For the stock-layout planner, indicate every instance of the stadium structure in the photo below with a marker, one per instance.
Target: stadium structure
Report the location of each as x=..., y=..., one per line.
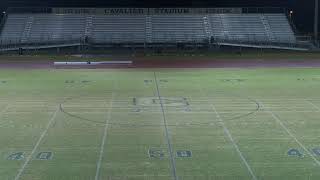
x=43, y=28
x=199, y=96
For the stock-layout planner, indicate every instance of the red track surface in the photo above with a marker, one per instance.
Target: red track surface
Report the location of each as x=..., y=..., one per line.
x=170, y=63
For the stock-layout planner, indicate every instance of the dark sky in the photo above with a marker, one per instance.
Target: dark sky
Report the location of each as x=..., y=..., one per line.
x=155, y=3
x=303, y=9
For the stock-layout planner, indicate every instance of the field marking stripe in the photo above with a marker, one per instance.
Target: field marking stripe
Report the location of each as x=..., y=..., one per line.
x=21, y=170
x=172, y=160
x=3, y=111
x=169, y=111
x=312, y=104
x=275, y=117
x=226, y=130
x=105, y=133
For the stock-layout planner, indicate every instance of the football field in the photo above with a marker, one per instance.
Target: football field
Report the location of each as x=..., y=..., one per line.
x=160, y=124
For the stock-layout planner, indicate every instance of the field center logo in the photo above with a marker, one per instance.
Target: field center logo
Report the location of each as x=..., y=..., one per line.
x=153, y=103
x=17, y=156
x=166, y=101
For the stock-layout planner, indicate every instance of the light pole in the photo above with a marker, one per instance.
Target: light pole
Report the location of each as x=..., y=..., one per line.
x=316, y=19
x=291, y=16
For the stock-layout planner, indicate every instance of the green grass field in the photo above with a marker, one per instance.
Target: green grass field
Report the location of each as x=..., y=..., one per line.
x=178, y=124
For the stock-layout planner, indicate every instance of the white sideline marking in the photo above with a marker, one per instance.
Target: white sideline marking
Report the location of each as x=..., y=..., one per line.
x=315, y=106
x=226, y=130
x=104, y=138
x=36, y=145
x=292, y=135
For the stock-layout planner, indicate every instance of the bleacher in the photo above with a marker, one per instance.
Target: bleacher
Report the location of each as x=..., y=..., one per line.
x=253, y=28
x=243, y=27
x=173, y=29
x=102, y=29
x=280, y=28
x=118, y=29
x=38, y=28
x=13, y=29
x=56, y=28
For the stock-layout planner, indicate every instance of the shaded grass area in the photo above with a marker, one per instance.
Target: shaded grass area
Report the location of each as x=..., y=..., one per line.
x=102, y=102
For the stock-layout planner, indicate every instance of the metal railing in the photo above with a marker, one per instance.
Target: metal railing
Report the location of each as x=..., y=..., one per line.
x=289, y=43
x=82, y=42
x=11, y=45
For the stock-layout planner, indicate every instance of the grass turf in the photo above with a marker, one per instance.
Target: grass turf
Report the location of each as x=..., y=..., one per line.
x=238, y=124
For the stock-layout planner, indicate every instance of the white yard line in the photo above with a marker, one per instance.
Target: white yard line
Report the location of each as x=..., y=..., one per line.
x=21, y=170
x=291, y=134
x=226, y=130
x=170, y=149
x=312, y=104
x=228, y=133
x=105, y=133
x=3, y=111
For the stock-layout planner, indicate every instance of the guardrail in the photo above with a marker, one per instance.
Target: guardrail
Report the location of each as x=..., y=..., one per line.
x=298, y=42
x=289, y=44
x=13, y=45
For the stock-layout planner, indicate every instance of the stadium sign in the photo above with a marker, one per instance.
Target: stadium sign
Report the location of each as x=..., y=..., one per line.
x=193, y=10
x=145, y=11
x=116, y=11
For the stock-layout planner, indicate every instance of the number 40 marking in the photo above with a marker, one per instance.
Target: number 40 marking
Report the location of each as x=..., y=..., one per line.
x=21, y=155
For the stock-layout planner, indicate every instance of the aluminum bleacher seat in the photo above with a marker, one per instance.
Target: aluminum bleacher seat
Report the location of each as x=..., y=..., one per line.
x=280, y=27
x=57, y=28
x=238, y=27
x=43, y=28
x=175, y=29
x=252, y=28
x=13, y=30
x=64, y=28
x=118, y=29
